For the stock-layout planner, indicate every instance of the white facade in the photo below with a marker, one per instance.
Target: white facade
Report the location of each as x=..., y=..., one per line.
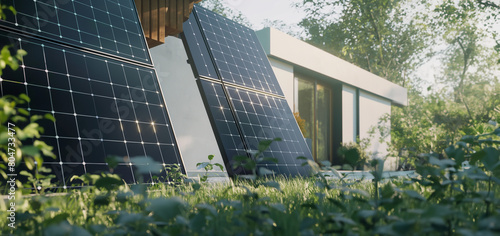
x=190, y=122
x=365, y=97
x=349, y=114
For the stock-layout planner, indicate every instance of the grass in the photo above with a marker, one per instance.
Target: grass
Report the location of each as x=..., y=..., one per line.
x=299, y=206
x=443, y=200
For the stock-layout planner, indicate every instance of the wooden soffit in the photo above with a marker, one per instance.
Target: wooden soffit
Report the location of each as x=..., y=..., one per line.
x=161, y=18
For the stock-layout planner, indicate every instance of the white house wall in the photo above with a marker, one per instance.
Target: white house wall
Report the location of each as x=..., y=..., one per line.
x=349, y=116
x=371, y=109
x=284, y=74
x=189, y=118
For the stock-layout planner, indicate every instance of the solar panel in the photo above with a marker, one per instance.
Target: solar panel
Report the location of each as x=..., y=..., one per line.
x=243, y=96
x=237, y=53
x=108, y=26
x=106, y=101
x=224, y=123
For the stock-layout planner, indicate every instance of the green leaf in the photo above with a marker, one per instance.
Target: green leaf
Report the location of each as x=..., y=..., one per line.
x=457, y=154
x=44, y=148
x=13, y=10
x=146, y=165
x=338, y=204
x=109, y=182
x=65, y=229
x=326, y=163
x=468, y=139
x=387, y=191
x=359, y=191
x=204, y=178
x=24, y=97
x=209, y=167
x=278, y=206
x=307, y=223
x=240, y=158
x=364, y=214
x=165, y=209
x=56, y=219
x=444, y=163
x=30, y=150
x=201, y=165
x=207, y=208
x=221, y=167
x=414, y=195
x=250, y=165
x=210, y=157
x=272, y=184
x=264, y=144
x=49, y=117
x=265, y=171
x=269, y=159
x=125, y=218
x=491, y=159
x=378, y=165
x=112, y=161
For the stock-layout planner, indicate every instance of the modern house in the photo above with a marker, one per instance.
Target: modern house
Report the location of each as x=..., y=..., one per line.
x=118, y=86
x=338, y=100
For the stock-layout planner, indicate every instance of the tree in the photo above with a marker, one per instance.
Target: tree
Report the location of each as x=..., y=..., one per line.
x=469, y=66
x=379, y=36
x=391, y=39
x=495, y=13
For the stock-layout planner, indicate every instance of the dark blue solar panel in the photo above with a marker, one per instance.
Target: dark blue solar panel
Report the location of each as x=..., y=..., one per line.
x=103, y=105
x=238, y=55
x=224, y=124
x=248, y=105
x=263, y=117
x=201, y=60
x=105, y=25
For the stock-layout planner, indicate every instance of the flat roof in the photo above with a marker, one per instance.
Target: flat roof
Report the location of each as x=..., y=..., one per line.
x=297, y=52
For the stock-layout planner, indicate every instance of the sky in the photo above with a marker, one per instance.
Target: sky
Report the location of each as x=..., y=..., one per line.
x=258, y=10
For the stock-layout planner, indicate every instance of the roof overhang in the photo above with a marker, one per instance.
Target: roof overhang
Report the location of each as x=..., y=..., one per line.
x=289, y=49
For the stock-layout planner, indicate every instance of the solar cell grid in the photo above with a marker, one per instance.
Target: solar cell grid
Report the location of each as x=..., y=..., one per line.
x=238, y=56
x=264, y=117
x=104, y=25
x=246, y=105
x=194, y=38
x=224, y=122
x=103, y=106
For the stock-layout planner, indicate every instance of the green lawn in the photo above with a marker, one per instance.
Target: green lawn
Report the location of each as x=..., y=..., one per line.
x=298, y=206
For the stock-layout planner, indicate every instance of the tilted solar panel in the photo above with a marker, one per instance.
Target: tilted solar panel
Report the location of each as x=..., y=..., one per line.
x=108, y=26
x=106, y=100
x=241, y=92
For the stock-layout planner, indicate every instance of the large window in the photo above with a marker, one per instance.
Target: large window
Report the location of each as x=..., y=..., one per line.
x=314, y=104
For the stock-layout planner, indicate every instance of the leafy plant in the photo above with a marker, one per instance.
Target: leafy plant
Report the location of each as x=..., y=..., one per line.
x=353, y=155
x=208, y=166
x=256, y=157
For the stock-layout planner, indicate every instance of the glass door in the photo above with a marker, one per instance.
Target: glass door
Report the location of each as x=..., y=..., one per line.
x=323, y=122
x=314, y=105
